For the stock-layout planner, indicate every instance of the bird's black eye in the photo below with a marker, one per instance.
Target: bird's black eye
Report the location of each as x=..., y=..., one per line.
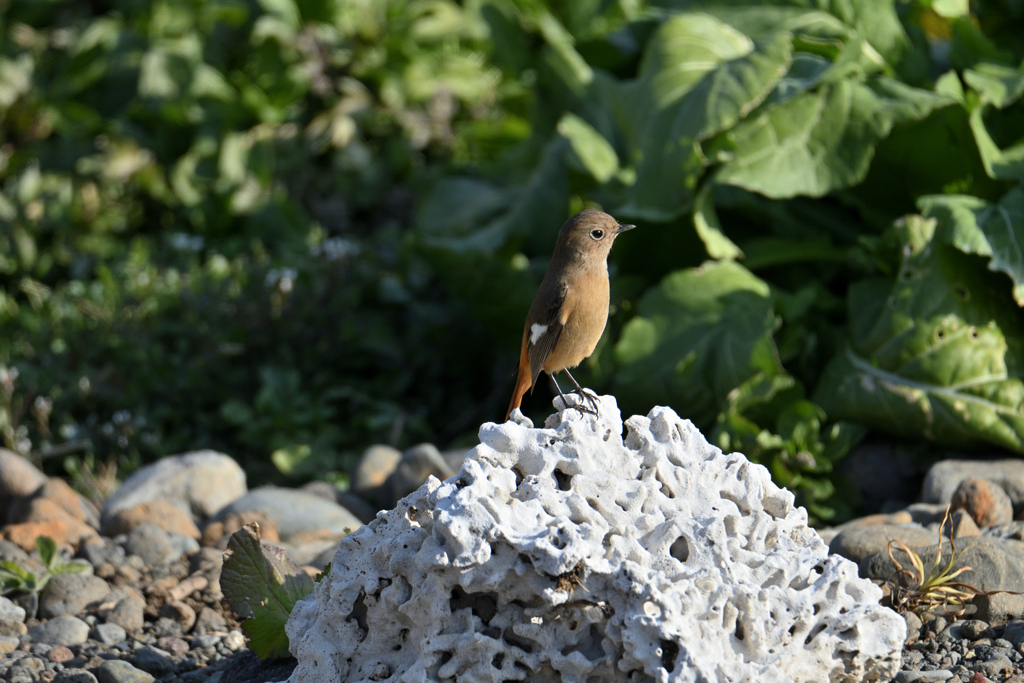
x=597, y=233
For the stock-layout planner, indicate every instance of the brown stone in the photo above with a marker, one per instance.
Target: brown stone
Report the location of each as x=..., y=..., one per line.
x=59, y=654
x=984, y=501
x=215, y=533
x=162, y=513
x=61, y=531
x=18, y=478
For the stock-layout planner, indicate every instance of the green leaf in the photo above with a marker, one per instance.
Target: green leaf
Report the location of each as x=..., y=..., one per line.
x=975, y=226
x=705, y=221
x=1001, y=164
x=997, y=85
x=938, y=354
x=47, y=551
x=262, y=586
x=699, y=77
x=820, y=141
x=596, y=154
x=698, y=335
x=472, y=215
x=951, y=8
x=290, y=459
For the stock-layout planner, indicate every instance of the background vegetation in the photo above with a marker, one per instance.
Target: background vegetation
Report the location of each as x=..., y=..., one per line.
x=288, y=229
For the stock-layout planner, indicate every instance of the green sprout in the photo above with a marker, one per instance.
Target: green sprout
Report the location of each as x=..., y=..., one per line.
x=17, y=579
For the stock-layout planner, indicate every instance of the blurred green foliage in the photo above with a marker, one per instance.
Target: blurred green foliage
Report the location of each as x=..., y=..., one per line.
x=299, y=228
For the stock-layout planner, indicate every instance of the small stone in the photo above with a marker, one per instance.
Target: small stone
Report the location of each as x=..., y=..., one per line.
x=1014, y=632
x=162, y=513
x=294, y=511
x=64, y=630
x=417, y=464
x=165, y=627
x=209, y=620
x=999, y=666
x=998, y=608
x=59, y=654
x=923, y=676
x=11, y=612
x=913, y=625
x=108, y=633
x=13, y=628
x=128, y=614
x=74, y=676
x=234, y=640
x=18, y=478
x=206, y=641
x=71, y=594
x=180, y=613
x=120, y=671
x=8, y=644
x=984, y=501
x=151, y=661
x=960, y=525
x=175, y=646
x=151, y=544
x=217, y=532
x=972, y=629
x=374, y=467
x=202, y=482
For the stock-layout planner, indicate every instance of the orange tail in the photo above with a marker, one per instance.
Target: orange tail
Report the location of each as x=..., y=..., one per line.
x=523, y=381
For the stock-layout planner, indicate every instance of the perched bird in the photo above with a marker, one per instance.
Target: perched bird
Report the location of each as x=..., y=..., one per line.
x=569, y=313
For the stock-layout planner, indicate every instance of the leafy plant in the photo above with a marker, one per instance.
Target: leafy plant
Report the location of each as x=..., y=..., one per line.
x=262, y=586
x=916, y=591
x=15, y=578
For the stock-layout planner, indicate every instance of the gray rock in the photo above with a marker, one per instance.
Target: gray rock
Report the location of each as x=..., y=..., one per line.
x=997, y=666
x=294, y=511
x=346, y=499
x=913, y=625
x=208, y=621
x=18, y=478
x=182, y=545
x=70, y=594
x=109, y=633
x=105, y=553
x=995, y=565
x=374, y=467
x=857, y=542
x=927, y=514
x=1011, y=530
x=12, y=553
x=999, y=608
x=972, y=629
x=983, y=500
x=10, y=612
x=1014, y=632
x=120, y=671
x=418, y=463
x=128, y=613
x=943, y=478
x=60, y=631
x=74, y=676
x=152, y=544
x=922, y=676
x=151, y=661
x=201, y=483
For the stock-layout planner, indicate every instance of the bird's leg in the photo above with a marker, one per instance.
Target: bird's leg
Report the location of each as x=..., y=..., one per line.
x=578, y=406
x=588, y=396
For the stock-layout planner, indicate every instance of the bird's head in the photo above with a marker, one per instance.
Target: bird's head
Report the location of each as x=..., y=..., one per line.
x=591, y=233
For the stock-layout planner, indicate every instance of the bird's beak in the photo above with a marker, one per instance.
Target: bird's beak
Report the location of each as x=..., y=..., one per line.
x=623, y=228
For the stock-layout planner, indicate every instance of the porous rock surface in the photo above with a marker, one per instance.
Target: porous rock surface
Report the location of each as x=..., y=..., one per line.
x=569, y=554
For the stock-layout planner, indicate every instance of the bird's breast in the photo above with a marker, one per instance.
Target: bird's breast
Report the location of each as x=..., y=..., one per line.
x=585, y=314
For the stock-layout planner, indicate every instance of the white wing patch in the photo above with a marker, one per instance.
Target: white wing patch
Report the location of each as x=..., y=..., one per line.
x=537, y=331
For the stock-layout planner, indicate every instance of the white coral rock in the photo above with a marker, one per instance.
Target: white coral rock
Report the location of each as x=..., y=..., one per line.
x=568, y=554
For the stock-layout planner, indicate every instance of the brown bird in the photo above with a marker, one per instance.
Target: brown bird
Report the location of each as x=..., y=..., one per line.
x=569, y=313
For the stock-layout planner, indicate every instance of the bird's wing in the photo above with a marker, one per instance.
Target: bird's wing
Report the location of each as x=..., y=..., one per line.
x=542, y=335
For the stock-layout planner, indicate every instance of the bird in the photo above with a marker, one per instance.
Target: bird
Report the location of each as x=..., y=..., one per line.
x=569, y=313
